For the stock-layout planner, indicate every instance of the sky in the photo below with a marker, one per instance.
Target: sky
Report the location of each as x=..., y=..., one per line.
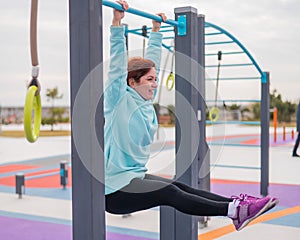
x=269, y=29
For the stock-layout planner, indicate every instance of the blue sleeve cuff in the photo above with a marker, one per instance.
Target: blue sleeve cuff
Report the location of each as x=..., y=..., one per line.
x=117, y=31
x=157, y=36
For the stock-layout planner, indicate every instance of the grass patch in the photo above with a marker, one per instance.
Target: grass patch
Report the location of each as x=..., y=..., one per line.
x=45, y=133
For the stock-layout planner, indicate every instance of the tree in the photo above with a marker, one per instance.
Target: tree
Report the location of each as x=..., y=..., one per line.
x=256, y=111
x=285, y=108
x=55, y=113
x=244, y=110
x=171, y=110
x=235, y=111
x=156, y=108
x=234, y=107
x=52, y=95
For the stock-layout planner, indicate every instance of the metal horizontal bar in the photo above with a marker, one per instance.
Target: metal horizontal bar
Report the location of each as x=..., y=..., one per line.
x=168, y=38
x=215, y=43
x=162, y=29
x=234, y=100
x=234, y=122
x=167, y=47
x=208, y=25
x=234, y=166
x=224, y=53
x=230, y=65
x=233, y=145
x=139, y=13
x=168, y=30
x=234, y=78
x=213, y=34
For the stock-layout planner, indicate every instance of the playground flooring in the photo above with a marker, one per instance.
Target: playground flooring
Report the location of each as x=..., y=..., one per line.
x=44, y=211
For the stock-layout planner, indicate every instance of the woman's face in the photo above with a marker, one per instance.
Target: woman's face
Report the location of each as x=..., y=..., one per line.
x=147, y=84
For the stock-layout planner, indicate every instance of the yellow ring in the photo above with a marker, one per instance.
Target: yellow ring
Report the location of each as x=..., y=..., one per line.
x=32, y=103
x=171, y=78
x=214, y=114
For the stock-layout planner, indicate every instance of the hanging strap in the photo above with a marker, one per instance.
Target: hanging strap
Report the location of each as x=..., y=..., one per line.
x=33, y=98
x=214, y=112
x=33, y=33
x=33, y=39
x=218, y=76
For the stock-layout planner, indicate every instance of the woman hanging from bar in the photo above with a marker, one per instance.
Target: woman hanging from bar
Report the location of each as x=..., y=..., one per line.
x=130, y=125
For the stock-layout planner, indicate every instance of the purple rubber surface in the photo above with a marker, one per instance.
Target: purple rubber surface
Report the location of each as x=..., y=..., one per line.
x=22, y=229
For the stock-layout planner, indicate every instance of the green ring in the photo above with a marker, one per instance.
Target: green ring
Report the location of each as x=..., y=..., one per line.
x=214, y=114
x=171, y=78
x=32, y=103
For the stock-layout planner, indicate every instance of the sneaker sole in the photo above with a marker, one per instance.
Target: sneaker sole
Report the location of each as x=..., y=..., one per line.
x=272, y=204
x=264, y=209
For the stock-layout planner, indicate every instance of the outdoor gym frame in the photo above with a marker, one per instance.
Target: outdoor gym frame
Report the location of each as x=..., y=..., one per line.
x=192, y=152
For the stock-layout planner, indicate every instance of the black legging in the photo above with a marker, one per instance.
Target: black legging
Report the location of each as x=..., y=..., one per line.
x=153, y=191
x=296, y=144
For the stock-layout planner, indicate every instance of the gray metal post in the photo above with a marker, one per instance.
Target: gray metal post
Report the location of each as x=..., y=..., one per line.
x=265, y=124
x=174, y=224
x=87, y=119
x=204, y=160
x=203, y=151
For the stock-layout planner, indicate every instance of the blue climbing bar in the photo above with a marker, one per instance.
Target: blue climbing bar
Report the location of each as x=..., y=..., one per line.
x=139, y=13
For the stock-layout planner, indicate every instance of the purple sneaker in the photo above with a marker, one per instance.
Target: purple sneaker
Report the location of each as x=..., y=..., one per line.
x=248, y=210
x=274, y=201
x=245, y=197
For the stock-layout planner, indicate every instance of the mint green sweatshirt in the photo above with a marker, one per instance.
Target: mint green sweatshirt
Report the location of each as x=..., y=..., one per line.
x=130, y=121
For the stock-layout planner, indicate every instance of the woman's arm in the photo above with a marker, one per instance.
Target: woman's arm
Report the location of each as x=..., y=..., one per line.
x=154, y=45
x=116, y=83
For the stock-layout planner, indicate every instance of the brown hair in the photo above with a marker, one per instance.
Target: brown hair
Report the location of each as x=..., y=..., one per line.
x=138, y=67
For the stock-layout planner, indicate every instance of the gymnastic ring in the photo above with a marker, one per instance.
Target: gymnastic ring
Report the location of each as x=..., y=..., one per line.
x=214, y=114
x=171, y=78
x=32, y=103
